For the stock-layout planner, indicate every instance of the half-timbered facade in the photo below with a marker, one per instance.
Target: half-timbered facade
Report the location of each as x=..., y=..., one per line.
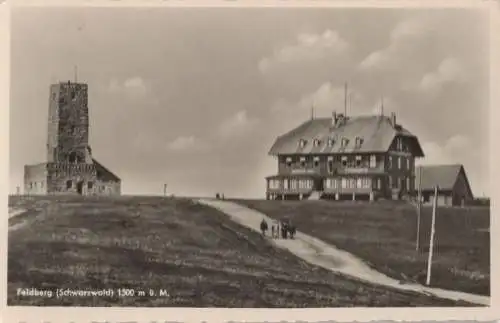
x=359, y=157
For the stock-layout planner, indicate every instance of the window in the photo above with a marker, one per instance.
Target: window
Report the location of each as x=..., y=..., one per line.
x=72, y=157
x=399, y=162
x=390, y=181
x=330, y=183
x=316, y=142
x=408, y=166
x=373, y=161
x=358, y=161
x=288, y=162
x=345, y=141
x=352, y=183
x=302, y=143
x=379, y=184
x=330, y=164
x=360, y=183
x=331, y=142
x=389, y=162
x=285, y=184
x=344, y=182
x=408, y=184
x=302, y=162
x=359, y=142
x=69, y=184
x=89, y=185
x=316, y=161
x=344, y=161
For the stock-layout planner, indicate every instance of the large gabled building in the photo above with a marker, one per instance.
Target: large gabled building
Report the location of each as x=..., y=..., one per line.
x=344, y=157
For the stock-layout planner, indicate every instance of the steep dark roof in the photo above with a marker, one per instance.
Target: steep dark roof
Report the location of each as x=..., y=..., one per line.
x=103, y=173
x=377, y=133
x=444, y=176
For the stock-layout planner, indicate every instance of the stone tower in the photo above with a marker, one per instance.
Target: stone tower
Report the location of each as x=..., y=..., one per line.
x=70, y=167
x=68, y=124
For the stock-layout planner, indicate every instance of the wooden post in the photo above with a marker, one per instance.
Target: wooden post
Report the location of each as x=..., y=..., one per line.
x=419, y=206
x=431, y=244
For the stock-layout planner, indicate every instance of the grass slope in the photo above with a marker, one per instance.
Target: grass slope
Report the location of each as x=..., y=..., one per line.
x=194, y=252
x=384, y=235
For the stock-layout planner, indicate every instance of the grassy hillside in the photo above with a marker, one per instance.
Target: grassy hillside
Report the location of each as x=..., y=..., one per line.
x=192, y=251
x=384, y=235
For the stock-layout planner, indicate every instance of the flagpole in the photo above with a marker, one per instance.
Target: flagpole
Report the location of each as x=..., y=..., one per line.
x=431, y=244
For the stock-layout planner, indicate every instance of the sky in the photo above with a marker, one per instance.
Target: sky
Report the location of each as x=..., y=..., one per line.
x=194, y=97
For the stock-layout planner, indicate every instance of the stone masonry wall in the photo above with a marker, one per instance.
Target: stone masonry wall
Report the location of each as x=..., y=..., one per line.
x=68, y=129
x=107, y=188
x=64, y=178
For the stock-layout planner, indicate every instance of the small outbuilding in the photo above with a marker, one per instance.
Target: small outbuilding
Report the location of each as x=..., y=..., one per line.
x=451, y=180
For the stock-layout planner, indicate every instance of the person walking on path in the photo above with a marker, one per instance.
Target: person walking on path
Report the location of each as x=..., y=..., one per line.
x=293, y=230
x=284, y=230
x=263, y=227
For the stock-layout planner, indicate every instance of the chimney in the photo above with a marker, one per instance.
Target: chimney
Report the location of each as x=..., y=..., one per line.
x=393, y=119
x=334, y=118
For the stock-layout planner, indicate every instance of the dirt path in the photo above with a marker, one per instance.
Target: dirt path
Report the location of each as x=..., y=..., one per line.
x=15, y=212
x=327, y=256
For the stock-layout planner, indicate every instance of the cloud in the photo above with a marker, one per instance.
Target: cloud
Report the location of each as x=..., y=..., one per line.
x=328, y=98
x=186, y=143
x=238, y=124
x=406, y=35
x=450, y=70
x=460, y=149
x=133, y=86
x=307, y=47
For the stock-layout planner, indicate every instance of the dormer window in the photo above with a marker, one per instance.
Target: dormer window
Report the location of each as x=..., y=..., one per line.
x=316, y=142
x=331, y=142
x=359, y=142
x=288, y=162
x=302, y=143
x=345, y=141
x=302, y=162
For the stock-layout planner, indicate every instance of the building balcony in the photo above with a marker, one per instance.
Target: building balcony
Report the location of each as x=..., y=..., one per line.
x=350, y=190
x=289, y=190
x=304, y=170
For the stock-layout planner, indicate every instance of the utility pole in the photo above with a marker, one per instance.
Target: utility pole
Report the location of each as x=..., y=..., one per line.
x=382, y=106
x=164, y=189
x=419, y=207
x=345, y=100
x=431, y=244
